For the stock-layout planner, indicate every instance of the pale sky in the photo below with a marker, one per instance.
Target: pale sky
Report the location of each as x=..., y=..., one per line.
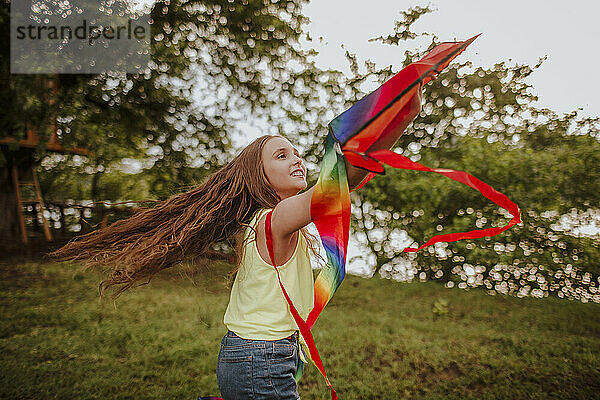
x=521, y=30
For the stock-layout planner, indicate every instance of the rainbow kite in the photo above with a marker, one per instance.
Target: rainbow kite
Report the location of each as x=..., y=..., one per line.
x=350, y=136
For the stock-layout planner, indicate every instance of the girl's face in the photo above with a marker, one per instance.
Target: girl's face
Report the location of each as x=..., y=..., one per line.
x=283, y=166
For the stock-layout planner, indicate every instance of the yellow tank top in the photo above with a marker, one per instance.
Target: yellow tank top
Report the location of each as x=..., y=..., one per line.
x=257, y=308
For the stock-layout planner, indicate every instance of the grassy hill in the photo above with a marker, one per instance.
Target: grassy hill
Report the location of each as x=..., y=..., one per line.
x=379, y=339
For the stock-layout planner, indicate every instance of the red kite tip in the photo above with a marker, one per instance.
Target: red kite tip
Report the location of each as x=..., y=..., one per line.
x=470, y=40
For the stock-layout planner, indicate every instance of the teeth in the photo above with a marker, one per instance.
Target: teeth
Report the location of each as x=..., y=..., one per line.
x=298, y=173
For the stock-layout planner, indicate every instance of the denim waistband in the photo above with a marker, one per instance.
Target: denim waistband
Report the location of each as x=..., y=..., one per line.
x=293, y=337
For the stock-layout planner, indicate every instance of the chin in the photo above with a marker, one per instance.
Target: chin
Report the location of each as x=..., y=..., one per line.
x=300, y=188
x=298, y=184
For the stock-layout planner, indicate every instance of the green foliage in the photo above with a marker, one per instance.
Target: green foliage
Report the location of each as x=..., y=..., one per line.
x=378, y=339
x=532, y=253
x=482, y=121
x=233, y=58
x=402, y=26
x=242, y=60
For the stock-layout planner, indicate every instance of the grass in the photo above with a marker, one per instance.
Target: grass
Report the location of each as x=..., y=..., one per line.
x=379, y=339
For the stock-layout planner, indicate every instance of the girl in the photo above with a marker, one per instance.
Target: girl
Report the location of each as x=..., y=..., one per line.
x=259, y=353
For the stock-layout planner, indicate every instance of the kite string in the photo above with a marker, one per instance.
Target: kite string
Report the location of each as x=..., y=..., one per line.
x=302, y=325
x=398, y=161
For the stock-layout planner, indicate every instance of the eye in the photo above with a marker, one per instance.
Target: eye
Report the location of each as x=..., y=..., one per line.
x=281, y=154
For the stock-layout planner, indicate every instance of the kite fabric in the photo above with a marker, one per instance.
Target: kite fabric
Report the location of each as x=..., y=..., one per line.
x=351, y=134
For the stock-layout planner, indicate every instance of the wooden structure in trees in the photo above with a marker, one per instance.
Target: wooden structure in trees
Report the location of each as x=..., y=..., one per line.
x=20, y=162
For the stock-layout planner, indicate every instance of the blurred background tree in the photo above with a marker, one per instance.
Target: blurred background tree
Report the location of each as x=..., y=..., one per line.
x=218, y=66
x=232, y=59
x=482, y=121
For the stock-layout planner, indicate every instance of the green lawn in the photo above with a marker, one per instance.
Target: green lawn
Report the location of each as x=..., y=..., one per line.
x=379, y=339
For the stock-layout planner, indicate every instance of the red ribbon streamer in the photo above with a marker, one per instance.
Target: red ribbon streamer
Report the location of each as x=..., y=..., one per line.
x=373, y=161
x=302, y=325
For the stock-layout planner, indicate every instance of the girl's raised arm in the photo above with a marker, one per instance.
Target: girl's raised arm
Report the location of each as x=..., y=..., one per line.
x=293, y=212
x=289, y=215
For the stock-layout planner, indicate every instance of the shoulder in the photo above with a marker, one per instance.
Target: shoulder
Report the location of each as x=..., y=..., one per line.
x=259, y=224
x=258, y=221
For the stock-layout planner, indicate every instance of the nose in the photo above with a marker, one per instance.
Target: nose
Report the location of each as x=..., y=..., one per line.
x=298, y=160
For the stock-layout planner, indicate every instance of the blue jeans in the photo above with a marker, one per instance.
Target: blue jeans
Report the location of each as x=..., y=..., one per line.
x=257, y=369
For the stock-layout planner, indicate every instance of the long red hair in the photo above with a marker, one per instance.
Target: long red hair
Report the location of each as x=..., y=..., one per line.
x=133, y=250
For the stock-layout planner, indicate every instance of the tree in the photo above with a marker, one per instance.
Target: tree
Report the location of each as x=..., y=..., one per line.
x=233, y=56
x=482, y=121
x=243, y=61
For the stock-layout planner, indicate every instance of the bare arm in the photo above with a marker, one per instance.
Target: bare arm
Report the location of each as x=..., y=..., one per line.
x=292, y=214
x=289, y=215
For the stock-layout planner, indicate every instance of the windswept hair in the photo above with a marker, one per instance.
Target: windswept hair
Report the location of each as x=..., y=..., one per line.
x=133, y=250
